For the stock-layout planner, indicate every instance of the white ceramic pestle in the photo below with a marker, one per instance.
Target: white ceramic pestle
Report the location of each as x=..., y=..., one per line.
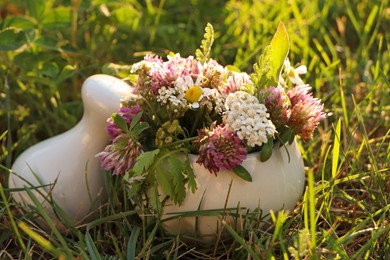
x=69, y=158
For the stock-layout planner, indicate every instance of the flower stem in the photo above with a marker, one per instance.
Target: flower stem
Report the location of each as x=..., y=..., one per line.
x=196, y=122
x=154, y=112
x=182, y=141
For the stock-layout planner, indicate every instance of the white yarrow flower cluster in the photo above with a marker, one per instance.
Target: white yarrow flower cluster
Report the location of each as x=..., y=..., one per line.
x=169, y=95
x=248, y=118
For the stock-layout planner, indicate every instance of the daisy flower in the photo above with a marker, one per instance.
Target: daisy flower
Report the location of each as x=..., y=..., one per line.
x=293, y=73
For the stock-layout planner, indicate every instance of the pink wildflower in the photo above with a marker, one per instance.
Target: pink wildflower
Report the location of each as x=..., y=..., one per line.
x=158, y=78
x=213, y=74
x=178, y=67
x=128, y=113
x=153, y=58
x=146, y=71
x=277, y=105
x=306, y=111
x=236, y=82
x=220, y=149
x=154, y=74
x=120, y=155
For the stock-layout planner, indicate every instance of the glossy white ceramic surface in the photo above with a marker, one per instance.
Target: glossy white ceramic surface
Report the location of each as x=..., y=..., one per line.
x=277, y=184
x=67, y=163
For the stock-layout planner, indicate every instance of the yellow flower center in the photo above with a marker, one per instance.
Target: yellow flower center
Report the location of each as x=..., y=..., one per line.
x=291, y=72
x=193, y=94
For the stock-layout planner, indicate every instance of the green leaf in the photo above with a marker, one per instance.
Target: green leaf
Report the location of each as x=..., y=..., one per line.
x=49, y=69
x=262, y=70
x=191, y=182
x=67, y=72
x=127, y=16
x=266, y=150
x=26, y=60
x=175, y=169
x=165, y=180
x=241, y=172
x=12, y=39
x=280, y=47
x=36, y=8
x=135, y=120
x=120, y=122
x=144, y=161
x=139, y=128
x=233, y=68
x=286, y=136
x=58, y=18
x=49, y=43
x=203, y=54
x=21, y=22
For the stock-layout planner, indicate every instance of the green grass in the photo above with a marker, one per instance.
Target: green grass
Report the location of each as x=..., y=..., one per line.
x=345, y=210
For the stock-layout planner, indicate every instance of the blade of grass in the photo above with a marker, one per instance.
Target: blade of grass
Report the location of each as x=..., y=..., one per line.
x=8, y=160
x=3, y=134
x=42, y=212
x=312, y=208
x=11, y=218
x=336, y=149
x=366, y=142
x=343, y=103
x=109, y=218
x=241, y=241
x=377, y=233
x=43, y=242
x=146, y=248
x=92, y=250
x=279, y=221
x=351, y=234
x=132, y=243
x=115, y=243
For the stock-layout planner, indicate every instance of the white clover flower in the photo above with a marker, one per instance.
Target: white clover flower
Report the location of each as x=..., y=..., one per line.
x=141, y=65
x=237, y=81
x=137, y=66
x=248, y=118
x=212, y=68
x=293, y=73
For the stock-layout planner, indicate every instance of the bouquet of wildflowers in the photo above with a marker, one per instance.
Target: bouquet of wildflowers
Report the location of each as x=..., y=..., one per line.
x=195, y=105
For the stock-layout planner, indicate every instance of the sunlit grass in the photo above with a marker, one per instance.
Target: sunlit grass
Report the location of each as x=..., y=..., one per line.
x=344, y=211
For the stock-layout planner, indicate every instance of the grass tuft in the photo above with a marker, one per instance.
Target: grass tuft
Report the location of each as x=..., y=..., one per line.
x=344, y=212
